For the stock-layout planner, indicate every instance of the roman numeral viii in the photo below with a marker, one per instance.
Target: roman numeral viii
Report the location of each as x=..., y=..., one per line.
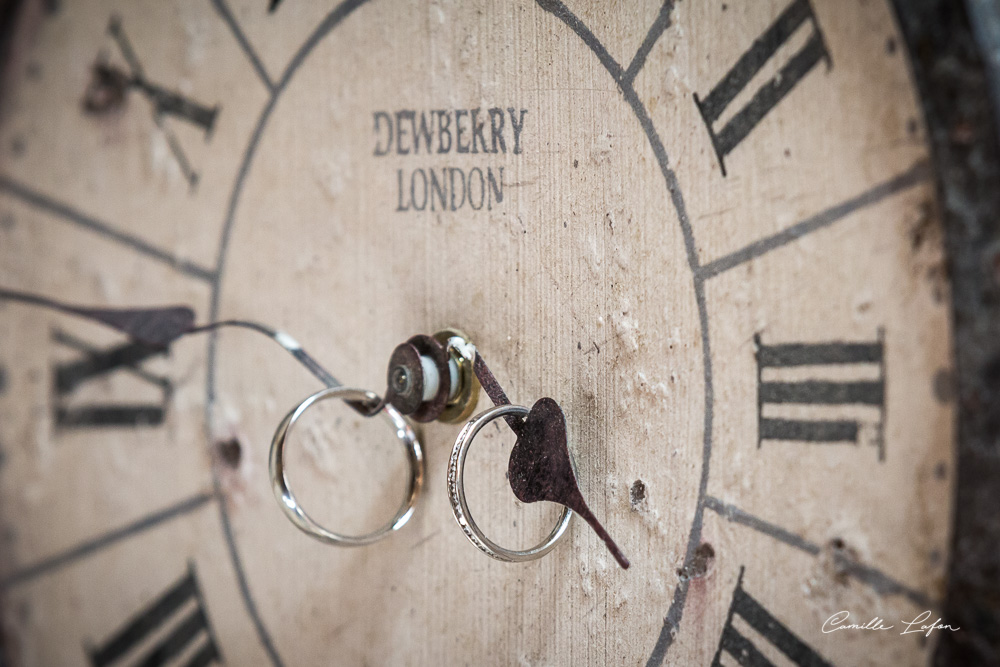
x=764, y=48
x=179, y=624
x=96, y=363
x=746, y=651
x=854, y=389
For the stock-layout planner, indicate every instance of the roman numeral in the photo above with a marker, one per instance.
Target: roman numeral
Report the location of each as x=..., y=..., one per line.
x=180, y=614
x=96, y=363
x=165, y=102
x=746, y=652
x=743, y=121
x=825, y=357
x=110, y=84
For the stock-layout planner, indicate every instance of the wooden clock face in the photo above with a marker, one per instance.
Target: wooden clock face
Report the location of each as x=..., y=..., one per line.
x=707, y=229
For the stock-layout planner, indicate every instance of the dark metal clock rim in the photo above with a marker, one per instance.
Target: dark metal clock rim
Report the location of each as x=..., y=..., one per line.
x=955, y=84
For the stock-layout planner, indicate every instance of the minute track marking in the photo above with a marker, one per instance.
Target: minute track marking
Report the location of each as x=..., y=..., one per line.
x=101, y=542
x=332, y=20
x=880, y=582
x=580, y=55
x=912, y=177
x=66, y=213
x=234, y=27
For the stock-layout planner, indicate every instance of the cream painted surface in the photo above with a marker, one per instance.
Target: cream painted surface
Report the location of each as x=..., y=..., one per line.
x=577, y=285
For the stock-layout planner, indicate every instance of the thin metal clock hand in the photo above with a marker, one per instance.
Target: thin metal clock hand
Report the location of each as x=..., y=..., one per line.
x=430, y=378
x=160, y=327
x=540, y=467
x=152, y=326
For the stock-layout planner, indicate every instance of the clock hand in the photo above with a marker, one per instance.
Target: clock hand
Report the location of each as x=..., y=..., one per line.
x=159, y=327
x=367, y=409
x=540, y=468
x=496, y=393
x=152, y=326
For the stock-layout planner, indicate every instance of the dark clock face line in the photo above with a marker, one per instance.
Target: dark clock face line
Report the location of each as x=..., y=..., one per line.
x=71, y=215
x=189, y=632
x=164, y=101
x=659, y=26
x=72, y=374
x=234, y=27
x=881, y=583
x=333, y=19
x=108, y=539
x=67, y=213
x=94, y=363
x=763, y=49
x=769, y=629
x=758, y=107
x=671, y=623
x=915, y=175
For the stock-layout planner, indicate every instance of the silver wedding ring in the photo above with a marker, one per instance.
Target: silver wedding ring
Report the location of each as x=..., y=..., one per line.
x=456, y=493
x=294, y=511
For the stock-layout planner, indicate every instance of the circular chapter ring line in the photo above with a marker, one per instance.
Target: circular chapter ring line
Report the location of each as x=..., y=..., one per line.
x=560, y=11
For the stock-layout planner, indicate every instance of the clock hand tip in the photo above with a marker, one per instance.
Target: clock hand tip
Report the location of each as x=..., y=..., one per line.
x=622, y=560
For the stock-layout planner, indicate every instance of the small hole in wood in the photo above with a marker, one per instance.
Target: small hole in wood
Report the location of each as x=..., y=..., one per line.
x=230, y=452
x=637, y=493
x=700, y=565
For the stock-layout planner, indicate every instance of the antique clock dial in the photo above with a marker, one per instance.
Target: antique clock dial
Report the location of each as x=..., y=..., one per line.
x=707, y=229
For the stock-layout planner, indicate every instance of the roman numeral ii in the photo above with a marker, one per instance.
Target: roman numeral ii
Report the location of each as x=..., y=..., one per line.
x=746, y=652
x=179, y=623
x=764, y=48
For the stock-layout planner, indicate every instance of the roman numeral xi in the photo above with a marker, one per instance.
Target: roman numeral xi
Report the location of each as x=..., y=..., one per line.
x=745, y=650
x=742, y=121
x=851, y=396
x=110, y=84
x=176, y=623
x=94, y=363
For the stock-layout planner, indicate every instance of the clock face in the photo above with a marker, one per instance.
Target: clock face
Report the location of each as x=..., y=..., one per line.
x=708, y=230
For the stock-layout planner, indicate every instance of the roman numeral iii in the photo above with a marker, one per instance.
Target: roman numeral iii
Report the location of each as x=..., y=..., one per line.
x=789, y=377
x=178, y=621
x=763, y=50
x=95, y=363
x=745, y=651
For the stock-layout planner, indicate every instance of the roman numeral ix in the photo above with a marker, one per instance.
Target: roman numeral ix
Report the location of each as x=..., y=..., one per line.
x=755, y=615
x=180, y=612
x=95, y=363
x=865, y=359
x=764, y=48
